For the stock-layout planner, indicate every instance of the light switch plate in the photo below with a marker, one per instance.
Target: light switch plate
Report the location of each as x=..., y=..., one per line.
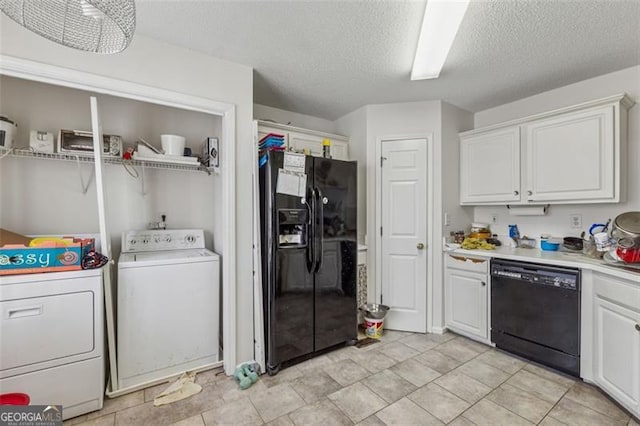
x=575, y=220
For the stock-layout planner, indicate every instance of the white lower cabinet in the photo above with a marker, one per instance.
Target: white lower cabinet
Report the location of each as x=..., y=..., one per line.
x=467, y=296
x=616, y=339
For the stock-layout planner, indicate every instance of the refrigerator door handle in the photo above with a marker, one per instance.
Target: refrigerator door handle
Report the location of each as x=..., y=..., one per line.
x=319, y=232
x=311, y=252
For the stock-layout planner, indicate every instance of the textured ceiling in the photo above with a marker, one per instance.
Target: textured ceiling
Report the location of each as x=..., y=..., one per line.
x=327, y=58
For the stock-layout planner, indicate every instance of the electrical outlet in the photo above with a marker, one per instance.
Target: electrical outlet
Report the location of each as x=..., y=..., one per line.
x=575, y=220
x=494, y=217
x=447, y=219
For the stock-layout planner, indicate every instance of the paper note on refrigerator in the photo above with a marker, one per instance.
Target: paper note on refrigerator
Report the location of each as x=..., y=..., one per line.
x=294, y=162
x=291, y=183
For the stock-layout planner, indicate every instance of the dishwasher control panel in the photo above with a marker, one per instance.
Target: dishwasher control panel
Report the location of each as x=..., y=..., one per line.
x=537, y=274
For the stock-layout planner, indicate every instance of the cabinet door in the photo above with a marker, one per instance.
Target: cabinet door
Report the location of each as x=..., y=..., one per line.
x=299, y=142
x=571, y=157
x=616, y=343
x=466, y=298
x=339, y=150
x=490, y=167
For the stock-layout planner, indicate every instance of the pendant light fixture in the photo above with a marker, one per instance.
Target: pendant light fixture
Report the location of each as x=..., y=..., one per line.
x=99, y=26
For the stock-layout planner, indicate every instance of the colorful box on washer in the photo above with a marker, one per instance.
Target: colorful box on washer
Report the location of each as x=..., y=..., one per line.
x=47, y=257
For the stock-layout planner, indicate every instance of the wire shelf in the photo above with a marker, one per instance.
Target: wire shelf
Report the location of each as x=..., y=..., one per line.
x=27, y=153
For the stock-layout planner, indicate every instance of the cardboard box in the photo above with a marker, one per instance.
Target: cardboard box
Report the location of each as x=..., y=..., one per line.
x=8, y=237
x=47, y=257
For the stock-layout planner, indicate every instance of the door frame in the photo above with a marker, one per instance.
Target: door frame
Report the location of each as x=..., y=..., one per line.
x=428, y=138
x=66, y=77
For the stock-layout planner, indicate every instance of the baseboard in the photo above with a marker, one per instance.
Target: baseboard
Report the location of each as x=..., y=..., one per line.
x=439, y=330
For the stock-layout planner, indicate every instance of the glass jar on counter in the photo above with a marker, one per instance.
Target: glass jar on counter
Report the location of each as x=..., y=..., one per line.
x=458, y=237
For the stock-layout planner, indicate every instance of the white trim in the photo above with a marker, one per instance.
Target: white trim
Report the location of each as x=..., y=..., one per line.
x=301, y=130
x=439, y=330
x=624, y=100
x=31, y=70
x=377, y=219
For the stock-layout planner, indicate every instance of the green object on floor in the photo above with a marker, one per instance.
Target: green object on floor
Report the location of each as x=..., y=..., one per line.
x=252, y=375
x=243, y=381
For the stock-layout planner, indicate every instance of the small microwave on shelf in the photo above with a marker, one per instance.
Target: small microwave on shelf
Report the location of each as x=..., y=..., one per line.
x=81, y=143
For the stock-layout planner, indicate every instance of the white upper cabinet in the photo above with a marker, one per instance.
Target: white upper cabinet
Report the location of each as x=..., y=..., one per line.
x=490, y=166
x=571, y=157
x=303, y=140
x=568, y=156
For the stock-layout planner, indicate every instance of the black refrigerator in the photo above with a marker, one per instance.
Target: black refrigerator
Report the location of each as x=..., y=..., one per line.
x=309, y=257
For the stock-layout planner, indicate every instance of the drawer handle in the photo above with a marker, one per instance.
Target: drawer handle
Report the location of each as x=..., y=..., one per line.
x=31, y=311
x=483, y=283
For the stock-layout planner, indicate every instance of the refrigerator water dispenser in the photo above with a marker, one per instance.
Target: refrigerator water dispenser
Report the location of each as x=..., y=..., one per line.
x=292, y=228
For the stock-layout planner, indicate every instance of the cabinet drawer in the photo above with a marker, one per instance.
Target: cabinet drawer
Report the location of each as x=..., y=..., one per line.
x=39, y=329
x=466, y=263
x=78, y=386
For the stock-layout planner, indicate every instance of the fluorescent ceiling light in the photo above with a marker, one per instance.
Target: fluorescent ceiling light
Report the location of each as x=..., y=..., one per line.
x=440, y=25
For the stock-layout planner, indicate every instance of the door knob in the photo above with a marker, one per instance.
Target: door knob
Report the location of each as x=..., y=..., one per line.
x=420, y=246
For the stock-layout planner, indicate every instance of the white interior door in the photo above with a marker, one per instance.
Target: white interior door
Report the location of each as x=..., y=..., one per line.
x=404, y=234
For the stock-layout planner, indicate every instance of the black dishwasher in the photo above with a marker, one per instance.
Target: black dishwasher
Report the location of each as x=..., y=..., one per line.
x=535, y=312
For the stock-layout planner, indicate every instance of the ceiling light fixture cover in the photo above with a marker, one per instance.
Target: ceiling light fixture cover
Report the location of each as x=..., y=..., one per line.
x=440, y=25
x=99, y=26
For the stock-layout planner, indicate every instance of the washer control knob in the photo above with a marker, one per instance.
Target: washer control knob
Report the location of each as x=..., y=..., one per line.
x=190, y=239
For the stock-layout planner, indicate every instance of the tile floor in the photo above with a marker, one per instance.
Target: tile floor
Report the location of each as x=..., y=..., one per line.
x=405, y=379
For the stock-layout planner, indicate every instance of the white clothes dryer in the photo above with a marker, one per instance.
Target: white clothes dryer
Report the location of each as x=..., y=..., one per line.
x=168, y=317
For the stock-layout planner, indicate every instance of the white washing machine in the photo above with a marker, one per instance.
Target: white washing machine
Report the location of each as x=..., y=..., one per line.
x=168, y=317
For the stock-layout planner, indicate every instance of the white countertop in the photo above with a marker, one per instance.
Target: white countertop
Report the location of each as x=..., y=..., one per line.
x=559, y=258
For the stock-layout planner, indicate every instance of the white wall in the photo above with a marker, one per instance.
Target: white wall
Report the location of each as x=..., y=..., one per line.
x=158, y=64
x=281, y=116
x=556, y=222
x=354, y=125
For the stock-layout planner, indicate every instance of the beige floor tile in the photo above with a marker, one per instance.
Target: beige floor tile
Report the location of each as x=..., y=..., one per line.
x=593, y=398
x=461, y=421
x=373, y=361
x=505, y=362
x=634, y=422
x=473, y=345
x=314, y=386
x=415, y=372
x=572, y=413
x=281, y=421
x=371, y=421
x=357, y=401
x=486, y=413
x=75, y=420
x=483, y=372
x=437, y=361
x=238, y=412
x=389, y=385
x=108, y=420
x=441, y=338
x=318, y=362
x=392, y=335
x=540, y=387
x=346, y=372
x=397, y=351
x=463, y=386
x=550, y=421
x=561, y=379
x=277, y=401
x=208, y=398
x=288, y=374
x=196, y=420
x=458, y=350
x=520, y=402
x=439, y=402
x=406, y=412
x=343, y=353
x=419, y=342
x=230, y=391
x=111, y=405
x=210, y=376
x=322, y=412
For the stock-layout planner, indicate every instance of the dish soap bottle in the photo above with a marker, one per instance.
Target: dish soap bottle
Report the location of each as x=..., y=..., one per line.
x=326, y=148
x=514, y=234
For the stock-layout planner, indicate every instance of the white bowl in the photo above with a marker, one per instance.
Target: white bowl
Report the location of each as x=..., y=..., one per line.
x=172, y=144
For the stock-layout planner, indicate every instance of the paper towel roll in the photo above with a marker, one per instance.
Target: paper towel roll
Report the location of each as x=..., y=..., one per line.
x=527, y=210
